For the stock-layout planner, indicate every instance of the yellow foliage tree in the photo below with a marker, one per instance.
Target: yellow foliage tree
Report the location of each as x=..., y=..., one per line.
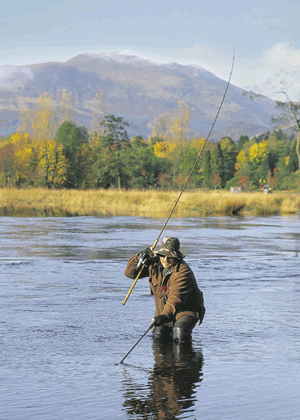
x=178, y=130
x=41, y=123
x=47, y=114
x=241, y=160
x=198, y=143
x=173, y=130
x=52, y=164
x=6, y=163
x=173, y=127
x=43, y=120
x=25, y=157
x=258, y=151
x=163, y=149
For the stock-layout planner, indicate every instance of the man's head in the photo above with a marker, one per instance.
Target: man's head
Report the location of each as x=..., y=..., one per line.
x=169, y=252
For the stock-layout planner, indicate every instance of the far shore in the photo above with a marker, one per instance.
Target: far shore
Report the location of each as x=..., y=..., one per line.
x=39, y=202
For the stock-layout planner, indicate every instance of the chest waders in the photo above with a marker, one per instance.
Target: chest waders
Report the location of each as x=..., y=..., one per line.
x=180, y=331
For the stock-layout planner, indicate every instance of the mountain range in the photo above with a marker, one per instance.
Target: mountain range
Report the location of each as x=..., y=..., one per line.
x=138, y=90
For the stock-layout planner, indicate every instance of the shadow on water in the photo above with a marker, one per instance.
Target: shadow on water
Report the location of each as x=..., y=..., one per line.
x=172, y=384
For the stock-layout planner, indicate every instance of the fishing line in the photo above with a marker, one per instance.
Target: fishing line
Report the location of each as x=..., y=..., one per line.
x=187, y=180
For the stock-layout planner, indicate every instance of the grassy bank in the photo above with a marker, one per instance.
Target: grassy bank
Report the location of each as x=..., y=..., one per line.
x=43, y=202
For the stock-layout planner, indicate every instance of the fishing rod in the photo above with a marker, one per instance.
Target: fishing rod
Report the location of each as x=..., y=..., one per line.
x=187, y=180
x=152, y=325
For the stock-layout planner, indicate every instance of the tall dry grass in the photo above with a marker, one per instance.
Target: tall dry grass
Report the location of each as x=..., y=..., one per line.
x=43, y=202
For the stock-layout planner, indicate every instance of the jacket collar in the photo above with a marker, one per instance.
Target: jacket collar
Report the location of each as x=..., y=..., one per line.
x=175, y=267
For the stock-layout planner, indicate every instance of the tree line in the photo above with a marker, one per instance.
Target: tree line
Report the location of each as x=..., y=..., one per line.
x=50, y=150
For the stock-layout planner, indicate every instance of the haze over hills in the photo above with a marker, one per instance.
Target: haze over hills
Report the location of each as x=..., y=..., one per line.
x=137, y=90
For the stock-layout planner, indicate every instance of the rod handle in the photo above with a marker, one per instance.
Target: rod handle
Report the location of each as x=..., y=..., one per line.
x=132, y=286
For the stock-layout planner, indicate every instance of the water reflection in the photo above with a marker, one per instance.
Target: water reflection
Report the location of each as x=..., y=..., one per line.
x=171, y=387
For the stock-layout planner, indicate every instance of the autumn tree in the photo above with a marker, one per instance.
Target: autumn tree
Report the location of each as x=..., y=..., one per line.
x=258, y=154
x=173, y=131
x=244, y=182
x=25, y=158
x=42, y=118
x=52, y=165
x=22, y=162
x=243, y=168
x=6, y=164
x=41, y=122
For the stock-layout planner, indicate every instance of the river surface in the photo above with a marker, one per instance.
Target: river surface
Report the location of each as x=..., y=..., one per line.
x=64, y=330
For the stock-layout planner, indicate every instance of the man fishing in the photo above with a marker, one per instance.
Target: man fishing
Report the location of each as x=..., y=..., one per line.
x=178, y=300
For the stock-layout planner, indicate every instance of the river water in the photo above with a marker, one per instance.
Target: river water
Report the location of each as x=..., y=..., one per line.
x=64, y=330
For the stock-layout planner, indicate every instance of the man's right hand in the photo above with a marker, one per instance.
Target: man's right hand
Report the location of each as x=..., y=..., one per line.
x=145, y=258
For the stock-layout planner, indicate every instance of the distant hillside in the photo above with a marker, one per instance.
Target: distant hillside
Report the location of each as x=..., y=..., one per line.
x=136, y=89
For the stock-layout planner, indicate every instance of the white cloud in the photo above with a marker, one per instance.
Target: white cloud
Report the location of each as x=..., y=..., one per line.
x=282, y=55
x=278, y=69
x=14, y=76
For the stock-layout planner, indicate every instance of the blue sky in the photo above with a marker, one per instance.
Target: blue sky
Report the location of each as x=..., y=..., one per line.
x=265, y=35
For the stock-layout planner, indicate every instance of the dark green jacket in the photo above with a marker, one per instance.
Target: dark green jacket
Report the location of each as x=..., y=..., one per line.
x=176, y=294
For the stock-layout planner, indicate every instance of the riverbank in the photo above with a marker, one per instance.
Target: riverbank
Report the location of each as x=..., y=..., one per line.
x=42, y=202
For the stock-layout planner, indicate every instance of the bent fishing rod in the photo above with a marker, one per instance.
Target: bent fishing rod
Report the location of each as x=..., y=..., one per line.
x=187, y=180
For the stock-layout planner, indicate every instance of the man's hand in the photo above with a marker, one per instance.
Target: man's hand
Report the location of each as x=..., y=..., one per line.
x=160, y=320
x=145, y=258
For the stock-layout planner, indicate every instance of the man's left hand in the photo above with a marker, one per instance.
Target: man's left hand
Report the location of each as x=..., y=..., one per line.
x=160, y=320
